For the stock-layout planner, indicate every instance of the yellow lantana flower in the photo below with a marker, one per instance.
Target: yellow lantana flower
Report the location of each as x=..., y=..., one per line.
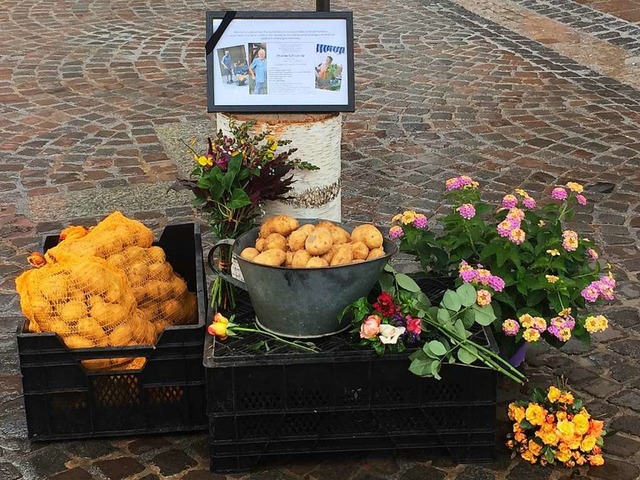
x=531, y=335
x=565, y=312
x=553, y=252
x=408, y=217
x=575, y=187
x=552, y=278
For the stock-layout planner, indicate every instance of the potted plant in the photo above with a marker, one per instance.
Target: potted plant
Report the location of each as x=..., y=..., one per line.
x=231, y=181
x=551, y=276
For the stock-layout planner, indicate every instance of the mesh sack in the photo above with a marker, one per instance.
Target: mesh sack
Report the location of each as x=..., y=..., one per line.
x=113, y=234
x=84, y=300
x=161, y=294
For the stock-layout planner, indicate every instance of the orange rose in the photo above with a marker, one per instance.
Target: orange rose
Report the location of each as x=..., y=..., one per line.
x=596, y=460
x=595, y=428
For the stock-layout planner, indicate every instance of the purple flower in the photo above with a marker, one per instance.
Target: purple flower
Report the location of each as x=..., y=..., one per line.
x=591, y=293
x=395, y=232
x=496, y=283
x=555, y=331
x=582, y=200
x=569, y=322
x=509, y=201
x=420, y=221
x=508, y=224
x=467, y=211
x=529, y=202
x=559, y=194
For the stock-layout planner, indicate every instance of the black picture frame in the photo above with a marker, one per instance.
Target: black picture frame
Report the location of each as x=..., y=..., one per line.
x=280, y=107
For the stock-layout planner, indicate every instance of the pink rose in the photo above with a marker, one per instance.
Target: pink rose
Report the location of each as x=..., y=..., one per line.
x=370, y=327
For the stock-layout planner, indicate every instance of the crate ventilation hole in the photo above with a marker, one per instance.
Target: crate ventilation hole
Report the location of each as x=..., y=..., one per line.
x=117, y=390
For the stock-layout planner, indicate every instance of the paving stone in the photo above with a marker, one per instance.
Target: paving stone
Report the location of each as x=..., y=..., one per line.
x=627, y=398
x=48, y=461
x=526, y=471
x=92, y=449
x=615, y=469
x=147, y=444
x=625, y=317
x=173, y=461
x=475, y=473
x=76, y=473
x=151, y=476
x=627, y=423
x=120, y=468
x=334, y=468
x=202, y=475
x=9, y=472
x=599, y=387
x=630, y=348
x=420, y=472
x=621, y=446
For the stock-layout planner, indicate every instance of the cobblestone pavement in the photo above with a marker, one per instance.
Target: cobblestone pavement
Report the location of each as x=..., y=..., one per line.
x=94, y=95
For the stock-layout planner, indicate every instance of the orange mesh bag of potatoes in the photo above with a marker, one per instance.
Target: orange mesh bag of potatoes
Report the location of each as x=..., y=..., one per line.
x=161, y=294
x=86, y=301
x=112, y=235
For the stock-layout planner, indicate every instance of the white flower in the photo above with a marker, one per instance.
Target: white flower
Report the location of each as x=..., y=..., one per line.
x=389, y=334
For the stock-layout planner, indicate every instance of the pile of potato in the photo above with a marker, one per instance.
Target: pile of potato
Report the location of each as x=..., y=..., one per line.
x=283, y=242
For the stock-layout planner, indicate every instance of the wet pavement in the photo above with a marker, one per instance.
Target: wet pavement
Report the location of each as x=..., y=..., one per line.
x=96, y=95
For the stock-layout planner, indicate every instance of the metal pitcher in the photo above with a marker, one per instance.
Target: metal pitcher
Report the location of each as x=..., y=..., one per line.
x=302, y=302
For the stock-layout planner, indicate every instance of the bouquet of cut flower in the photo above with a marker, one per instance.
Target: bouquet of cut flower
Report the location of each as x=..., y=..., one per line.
x=402, y=317
x=550, y=274
x=554, y=427
x=232, y=180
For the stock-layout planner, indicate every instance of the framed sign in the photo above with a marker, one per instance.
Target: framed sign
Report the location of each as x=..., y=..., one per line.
x=261, y=62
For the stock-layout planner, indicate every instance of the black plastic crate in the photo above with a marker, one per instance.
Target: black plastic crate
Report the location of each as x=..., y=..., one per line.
x=345, y=398
x=167, y=394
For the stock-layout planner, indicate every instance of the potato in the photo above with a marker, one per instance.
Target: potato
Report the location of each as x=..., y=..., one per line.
x=315, y=262
x=329, y=255
x=157, y=254
x=281, y=224
x=343, y=255
x=296, y=239
x=368, y=234
x=307, y=228
x=288, y=261
x=260, y=244
x=360, y=250
x=325, y=224
x=319, y=241
x=275, y=240
x=300, y=259
x=76, y=341
x=249, y=253
x=273, y=257
x=375, y=253
x=339, y=235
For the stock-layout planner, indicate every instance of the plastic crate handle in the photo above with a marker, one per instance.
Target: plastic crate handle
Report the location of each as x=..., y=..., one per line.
x=212, y=264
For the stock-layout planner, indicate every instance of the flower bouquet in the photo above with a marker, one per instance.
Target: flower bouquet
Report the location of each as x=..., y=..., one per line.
x=232, y=180
x=401, y=317
x=551, y=276
x=553, y=428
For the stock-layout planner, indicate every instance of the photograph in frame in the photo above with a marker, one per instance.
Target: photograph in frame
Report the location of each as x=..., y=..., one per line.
x=280, y=62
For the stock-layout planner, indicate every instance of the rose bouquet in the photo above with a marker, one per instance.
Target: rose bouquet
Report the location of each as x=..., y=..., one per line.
x=554, y=427
x=232, y=180
x=551, y=274
x=401, y=317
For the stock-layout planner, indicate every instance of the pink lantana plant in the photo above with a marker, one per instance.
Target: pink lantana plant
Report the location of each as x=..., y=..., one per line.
x=550, y=276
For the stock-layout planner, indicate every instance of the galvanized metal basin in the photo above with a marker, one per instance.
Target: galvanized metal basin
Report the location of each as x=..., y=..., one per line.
x=304, y=302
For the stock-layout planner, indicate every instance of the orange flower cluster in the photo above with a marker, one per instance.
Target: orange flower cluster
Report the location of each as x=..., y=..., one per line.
x=554, y=427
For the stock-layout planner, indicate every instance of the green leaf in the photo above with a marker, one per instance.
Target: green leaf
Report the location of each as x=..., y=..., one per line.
x=435, y=370
x=468, y=355
x=437, y=347
x=406, y=282
x=524, y=424
x=451, y=300
x=460, y=329
x=421, y=367
x=386, y=282
x=467, y=294
x=239, y=199
x=549, y=454
x=483, y=315
x=538, y=395
x=444, y=315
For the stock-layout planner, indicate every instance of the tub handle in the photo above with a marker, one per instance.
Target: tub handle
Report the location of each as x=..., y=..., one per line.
x=212, y=264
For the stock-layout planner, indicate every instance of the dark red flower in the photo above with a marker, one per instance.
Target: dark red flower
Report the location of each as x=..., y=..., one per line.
x=385, y=305
x=413, y=325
